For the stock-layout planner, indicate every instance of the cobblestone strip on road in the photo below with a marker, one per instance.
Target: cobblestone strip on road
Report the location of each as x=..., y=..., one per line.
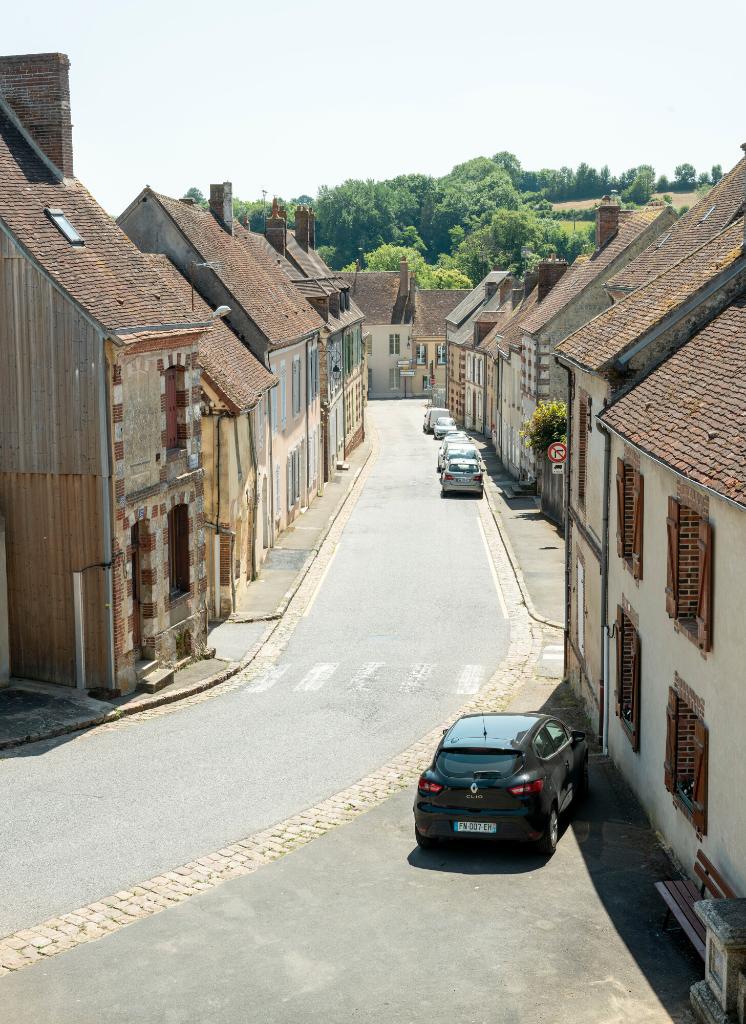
x=111, y=913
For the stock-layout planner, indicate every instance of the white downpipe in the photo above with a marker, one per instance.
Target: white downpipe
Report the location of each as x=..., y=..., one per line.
x=605, y=730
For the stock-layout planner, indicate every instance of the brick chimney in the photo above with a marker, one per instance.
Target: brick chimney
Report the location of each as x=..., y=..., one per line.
x=276, y=228
x=305, y=227
x=550, y=271
x=36, y=86
x=607, y=221
x=221, y=204
x=403, y=278
x=516, y=294
x=481, y=329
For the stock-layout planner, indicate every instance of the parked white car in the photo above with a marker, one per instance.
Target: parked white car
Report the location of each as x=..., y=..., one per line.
x=444, y=425
x=431, y=417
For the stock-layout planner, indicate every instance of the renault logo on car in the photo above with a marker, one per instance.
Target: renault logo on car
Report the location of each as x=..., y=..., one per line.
x=474, y=787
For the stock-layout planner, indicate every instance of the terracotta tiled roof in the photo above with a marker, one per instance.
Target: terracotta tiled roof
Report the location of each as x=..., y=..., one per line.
x=690, y=412
x=248, y=272
x=376, y=292
x=584, y=271
x=432, y=305
x=107, y=276
x=475, y=298
x=609, y=334
x=234, y=371
x=511, y=333
x=711, y=214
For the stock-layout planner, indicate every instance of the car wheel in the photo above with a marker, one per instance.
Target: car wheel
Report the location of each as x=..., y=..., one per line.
x=424, y=842
x=442, y=493
x=548, y=842
x=481, y=493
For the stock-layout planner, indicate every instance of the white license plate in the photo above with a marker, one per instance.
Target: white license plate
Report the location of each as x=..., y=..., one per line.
x=475, y=826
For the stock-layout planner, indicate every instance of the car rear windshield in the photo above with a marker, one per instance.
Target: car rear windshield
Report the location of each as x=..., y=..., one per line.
x=464, y=764
x=463, y=465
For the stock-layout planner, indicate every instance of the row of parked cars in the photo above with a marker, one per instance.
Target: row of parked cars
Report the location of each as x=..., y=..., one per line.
x=460, y=466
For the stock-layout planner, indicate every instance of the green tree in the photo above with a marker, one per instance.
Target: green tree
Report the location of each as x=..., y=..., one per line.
x=716, y=173
x=641, y=189
x=388, y=257
x=547, y=425
x=195, y=194
x=685, y=177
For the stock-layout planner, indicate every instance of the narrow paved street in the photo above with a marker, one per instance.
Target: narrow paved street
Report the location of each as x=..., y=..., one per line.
x=422, y=628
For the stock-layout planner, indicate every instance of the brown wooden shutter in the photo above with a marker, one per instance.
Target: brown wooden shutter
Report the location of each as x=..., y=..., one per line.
x=182, y=549
x=669, y=765
x=172, y=425
x=672, y=583
x=699, y=795
x=639, y=509
x=636, y=691
x=619, y=659
x=704, y=597
x=620, y=507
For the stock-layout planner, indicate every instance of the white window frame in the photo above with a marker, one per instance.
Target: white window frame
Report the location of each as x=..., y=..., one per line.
x=421, y=350
x=581, y=607
x=394, y=376
x=394, y=344
x=273, y=408
x=283, y=395
x=441, y=354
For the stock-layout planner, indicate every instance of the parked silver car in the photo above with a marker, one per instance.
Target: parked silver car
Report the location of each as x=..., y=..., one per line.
x=462, y=473
x=457, y=445
x=444, y=425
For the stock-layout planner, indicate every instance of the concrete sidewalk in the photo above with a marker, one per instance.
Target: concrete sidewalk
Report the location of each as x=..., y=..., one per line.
x=31, y=711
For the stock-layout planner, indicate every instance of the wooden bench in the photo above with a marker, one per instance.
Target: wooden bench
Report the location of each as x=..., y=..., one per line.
x=680, y=897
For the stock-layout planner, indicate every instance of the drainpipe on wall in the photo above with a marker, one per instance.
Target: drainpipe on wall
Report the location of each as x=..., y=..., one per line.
x=271, y=488
x=308, y=436
x=255, y=498
x=605, y=586
x=568, y=478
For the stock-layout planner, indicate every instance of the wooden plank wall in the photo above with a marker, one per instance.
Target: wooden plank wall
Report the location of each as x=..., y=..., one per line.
x=49, y=385
x=53, y=528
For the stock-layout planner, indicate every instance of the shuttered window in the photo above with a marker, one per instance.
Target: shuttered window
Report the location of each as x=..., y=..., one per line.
x=630, y=515
x=178, y=550
x=685, y=765
x=628, y=677
x=689, y=577
x=582, y=447
x=172, y=410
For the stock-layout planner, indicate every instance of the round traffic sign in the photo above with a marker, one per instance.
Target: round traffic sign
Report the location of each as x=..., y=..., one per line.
x=557, y=451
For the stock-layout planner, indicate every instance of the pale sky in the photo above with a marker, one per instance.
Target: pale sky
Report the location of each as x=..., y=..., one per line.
x=289, y=95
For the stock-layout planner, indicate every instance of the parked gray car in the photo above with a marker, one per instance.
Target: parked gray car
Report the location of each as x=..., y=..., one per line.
x=444, y=425
x=457, y=445
x=462, y=473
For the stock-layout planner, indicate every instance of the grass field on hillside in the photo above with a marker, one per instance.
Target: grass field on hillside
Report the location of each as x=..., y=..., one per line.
x=679, y=199
x=577, y=225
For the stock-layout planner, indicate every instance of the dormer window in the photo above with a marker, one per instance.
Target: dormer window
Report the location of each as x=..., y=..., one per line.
x=64, y=226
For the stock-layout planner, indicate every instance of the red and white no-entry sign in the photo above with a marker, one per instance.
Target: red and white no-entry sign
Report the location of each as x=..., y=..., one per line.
x=557, y=451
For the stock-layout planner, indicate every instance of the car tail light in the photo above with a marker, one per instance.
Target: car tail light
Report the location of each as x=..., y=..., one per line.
x=527, y=788
x=426, y=786
x=448, y=476
x=478, y=478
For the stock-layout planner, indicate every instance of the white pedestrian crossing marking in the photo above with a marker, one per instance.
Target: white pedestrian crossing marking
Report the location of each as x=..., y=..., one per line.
x=266, y=680
x=365, y=675
x=417, y=676
x=315, y=678
x=470, y=680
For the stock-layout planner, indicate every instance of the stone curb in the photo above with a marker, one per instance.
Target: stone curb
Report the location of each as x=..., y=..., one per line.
x=232, y=669
x=58, y=934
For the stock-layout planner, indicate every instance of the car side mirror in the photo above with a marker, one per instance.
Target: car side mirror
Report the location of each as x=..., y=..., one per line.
x=445, y=731
x=577, y=737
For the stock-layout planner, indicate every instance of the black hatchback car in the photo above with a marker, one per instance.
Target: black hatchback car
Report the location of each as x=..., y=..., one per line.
x=499, y=777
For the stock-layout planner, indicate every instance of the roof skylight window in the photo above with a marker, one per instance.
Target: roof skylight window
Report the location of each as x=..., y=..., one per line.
x=707, y=214
x=64, y=226
x=663, y=240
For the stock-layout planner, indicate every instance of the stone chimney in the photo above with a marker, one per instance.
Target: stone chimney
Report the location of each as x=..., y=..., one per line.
x=506, y=288
x=276, y=228
x=305, y=227
x=36, y=86
x=403, y=278
x=490, y=287
x=550, y=271
x=516, y=294
x=221, y=204
x=481, y=329
x=530, y=279
x=607, y=221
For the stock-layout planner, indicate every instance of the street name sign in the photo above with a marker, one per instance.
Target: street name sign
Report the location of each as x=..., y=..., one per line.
x=406, y=373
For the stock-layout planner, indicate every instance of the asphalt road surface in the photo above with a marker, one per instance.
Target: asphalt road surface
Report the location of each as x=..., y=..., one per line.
x=406, y=622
